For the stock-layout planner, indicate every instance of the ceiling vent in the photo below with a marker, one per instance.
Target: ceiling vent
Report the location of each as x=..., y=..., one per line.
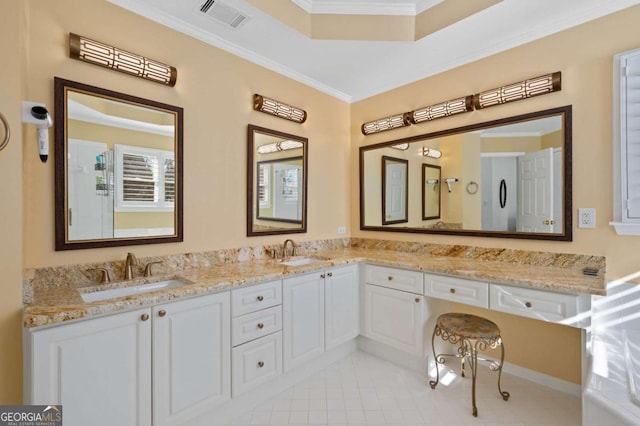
x=223, y=13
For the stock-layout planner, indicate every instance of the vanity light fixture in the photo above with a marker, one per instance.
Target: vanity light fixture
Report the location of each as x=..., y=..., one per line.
x=443, y=109
x=521, y=90
x=104, y=55
x=387, y=123
x=279, y=109
x=279, y=146
x=430, y=152
x=401, y=146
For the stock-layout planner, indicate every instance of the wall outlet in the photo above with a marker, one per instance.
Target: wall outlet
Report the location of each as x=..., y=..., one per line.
x=586, y=218
x=342, y=230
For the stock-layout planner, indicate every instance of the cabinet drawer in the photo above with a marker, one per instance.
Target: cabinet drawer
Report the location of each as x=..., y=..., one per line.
x=398, y=279
x=457, y=290
x=257, y=324
x=255, y=298
x=256, y=362
x=538, y=304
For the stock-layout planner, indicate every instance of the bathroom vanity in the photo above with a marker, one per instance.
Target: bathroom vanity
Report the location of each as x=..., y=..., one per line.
x=241, y=331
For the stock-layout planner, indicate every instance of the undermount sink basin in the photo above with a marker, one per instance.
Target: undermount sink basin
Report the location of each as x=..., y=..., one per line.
x=299, y=261
x=112, y=293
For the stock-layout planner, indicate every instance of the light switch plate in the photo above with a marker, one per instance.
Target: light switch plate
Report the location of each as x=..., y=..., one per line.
x=586, y=218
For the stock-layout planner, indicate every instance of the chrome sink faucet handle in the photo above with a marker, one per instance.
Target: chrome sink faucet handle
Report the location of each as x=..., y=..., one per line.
x=104, y=275
x=128, y=270
x=284, y=248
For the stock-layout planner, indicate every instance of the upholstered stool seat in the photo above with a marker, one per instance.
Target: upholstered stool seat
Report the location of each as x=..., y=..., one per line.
x=472, y=334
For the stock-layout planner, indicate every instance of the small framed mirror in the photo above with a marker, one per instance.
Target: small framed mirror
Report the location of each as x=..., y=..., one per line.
x=118, y=168
x=276, y=182
x=395, y=183
x=431, y=179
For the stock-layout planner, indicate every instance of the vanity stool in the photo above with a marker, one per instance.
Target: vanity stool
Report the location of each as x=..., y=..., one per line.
x=472, y=334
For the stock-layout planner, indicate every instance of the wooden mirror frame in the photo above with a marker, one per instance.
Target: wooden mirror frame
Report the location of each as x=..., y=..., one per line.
x=251, y=181
x=385, y=160
x=424, y=191
x=566, y=235
x=61, y=206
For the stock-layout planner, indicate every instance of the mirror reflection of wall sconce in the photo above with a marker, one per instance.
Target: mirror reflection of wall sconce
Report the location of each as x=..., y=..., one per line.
x=401, y=146
x=430, y=152
x=279, y=146
x=521, y=90
x=97, y=53
x=387, y=123
x=449, y=181
x=278, y=109
x=443, y=109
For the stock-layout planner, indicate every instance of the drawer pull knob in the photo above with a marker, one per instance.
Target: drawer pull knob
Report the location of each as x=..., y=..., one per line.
x=260, y=364
x=162, y=313
x=528, y=304
x=322, y=275
x=260, y=325
x=330, y=274
x=260, y=298
x=390, y=278
x=144, y=317
x=452, y=290
x=417, y=299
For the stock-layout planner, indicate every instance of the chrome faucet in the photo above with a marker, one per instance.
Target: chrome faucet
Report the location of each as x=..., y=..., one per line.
x=284, y=248
x=128, y=270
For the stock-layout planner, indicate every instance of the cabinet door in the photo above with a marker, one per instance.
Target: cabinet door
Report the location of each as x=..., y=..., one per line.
x=395, y=318
x=303, y=318
x=99, y=369
x=342, y=311
x=191, y=358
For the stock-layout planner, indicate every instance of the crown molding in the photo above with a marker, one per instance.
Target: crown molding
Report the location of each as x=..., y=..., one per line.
x=389, y=8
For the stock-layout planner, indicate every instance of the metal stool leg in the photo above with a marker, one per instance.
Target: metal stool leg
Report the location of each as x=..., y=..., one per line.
x=432, y=383
x=505, y=395
x=473, y=361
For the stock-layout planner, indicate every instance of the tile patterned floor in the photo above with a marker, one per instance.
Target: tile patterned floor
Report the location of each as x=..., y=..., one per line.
x=364, y=390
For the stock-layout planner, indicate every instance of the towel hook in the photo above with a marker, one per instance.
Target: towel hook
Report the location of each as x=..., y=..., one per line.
x=7, y=135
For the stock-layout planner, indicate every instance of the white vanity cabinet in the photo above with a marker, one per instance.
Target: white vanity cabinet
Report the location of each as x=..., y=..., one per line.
x=342, y=305
x=191, y=358
x=303, y=318
x=256, y=335
x=99, y=369
x=320, y=311
x=395, y=310
x=112, y=370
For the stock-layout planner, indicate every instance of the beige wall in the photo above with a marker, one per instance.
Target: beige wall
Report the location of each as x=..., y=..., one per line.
x=12, y=48
x=216, y=91
x=584, y=55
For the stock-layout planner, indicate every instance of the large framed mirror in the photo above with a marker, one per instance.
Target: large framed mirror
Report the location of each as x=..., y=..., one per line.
x=118, y=168
x=276, y=182
x=507, y=178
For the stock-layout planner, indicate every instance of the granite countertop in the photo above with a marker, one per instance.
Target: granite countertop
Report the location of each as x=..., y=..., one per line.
x=56, y=304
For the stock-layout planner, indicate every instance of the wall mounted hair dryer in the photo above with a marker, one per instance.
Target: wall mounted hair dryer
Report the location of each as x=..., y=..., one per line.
x=37, y=114
x=449, y=181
